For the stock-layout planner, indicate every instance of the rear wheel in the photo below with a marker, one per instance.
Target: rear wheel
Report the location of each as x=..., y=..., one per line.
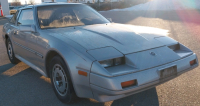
x=61, y=80
x=10, y=52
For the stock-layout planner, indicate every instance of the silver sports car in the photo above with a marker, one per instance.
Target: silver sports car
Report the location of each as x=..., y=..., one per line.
x=87, y=56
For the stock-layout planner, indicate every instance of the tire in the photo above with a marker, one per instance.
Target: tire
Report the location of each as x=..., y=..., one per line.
x=61, y=80
x=10, y=52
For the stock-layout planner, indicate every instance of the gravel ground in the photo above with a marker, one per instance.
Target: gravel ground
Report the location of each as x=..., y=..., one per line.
x=21, y=85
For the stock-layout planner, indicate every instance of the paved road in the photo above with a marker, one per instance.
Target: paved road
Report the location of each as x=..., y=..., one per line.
x=21, y=85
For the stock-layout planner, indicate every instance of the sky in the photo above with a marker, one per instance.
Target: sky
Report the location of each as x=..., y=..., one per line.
x=23, y=1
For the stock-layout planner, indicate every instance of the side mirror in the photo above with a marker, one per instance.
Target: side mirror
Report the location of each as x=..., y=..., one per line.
x=9, y=16
x=109, y=19
x=27, y=28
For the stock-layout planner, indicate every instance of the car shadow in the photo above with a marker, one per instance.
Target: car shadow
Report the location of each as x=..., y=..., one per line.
x=4, y=68
x=145, y=98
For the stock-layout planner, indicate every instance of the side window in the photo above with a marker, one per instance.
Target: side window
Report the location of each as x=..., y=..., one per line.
x=13, y=19
x=26, y=17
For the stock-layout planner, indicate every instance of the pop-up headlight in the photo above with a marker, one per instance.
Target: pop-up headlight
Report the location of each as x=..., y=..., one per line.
x=112, y=62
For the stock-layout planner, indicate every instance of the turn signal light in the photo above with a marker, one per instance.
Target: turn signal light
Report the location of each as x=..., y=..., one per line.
x=82, y=73
x=193, y=62
x=128, y=83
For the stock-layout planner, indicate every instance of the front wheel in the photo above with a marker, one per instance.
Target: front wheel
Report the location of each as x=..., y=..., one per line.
x=61, y=80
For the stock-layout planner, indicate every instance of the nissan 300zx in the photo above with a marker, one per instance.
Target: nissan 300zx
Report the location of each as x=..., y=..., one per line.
x=87, y=56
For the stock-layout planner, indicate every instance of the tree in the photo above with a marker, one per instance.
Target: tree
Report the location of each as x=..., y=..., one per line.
x=32, y=2
x=16, y=3
x=15, y=0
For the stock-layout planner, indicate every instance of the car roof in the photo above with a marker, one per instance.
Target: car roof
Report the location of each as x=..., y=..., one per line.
x=49, y=4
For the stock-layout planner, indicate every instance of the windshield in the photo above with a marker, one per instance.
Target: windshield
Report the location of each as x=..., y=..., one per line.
x=68, y=15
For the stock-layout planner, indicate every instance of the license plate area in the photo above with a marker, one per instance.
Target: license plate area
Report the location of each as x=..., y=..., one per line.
x=167, y=72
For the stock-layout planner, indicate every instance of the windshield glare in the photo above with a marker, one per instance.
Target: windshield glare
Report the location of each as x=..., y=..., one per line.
x=68, y=15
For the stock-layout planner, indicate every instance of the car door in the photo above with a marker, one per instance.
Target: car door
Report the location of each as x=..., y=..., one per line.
x=36, y=44
x=18, y=40
x=12, y=28
x=31, y=42
x=20, y=37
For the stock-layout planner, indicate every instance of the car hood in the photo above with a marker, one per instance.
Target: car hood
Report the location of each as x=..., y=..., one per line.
x=125, y=38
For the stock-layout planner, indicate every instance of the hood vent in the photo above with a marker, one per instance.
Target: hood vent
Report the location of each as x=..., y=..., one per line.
x=175, y=47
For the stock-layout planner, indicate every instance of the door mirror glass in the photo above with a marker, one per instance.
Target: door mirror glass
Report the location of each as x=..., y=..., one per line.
x=9, y=16
x=27, y=28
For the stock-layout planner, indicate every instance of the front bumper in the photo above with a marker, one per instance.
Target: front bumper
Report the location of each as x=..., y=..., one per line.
x=146, y=79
